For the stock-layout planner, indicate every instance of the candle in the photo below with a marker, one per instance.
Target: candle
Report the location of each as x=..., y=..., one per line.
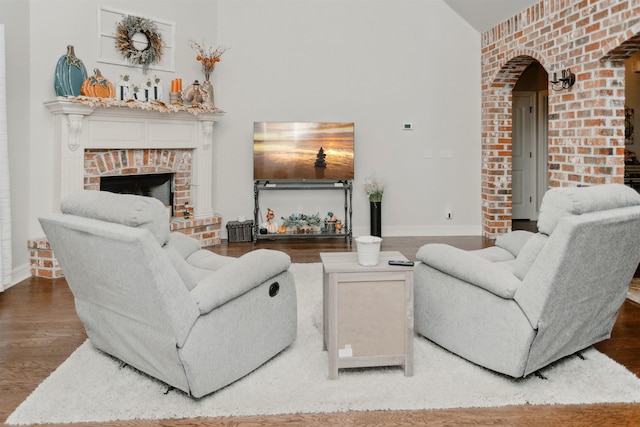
x=174, y=85
x=555, y=77
x=179, y=85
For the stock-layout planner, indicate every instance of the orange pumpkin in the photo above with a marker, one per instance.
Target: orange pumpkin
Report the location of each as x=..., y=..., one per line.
x=97, y=86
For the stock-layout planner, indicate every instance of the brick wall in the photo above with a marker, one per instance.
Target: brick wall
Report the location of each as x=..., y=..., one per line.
x=42, y=263
x=586, y=122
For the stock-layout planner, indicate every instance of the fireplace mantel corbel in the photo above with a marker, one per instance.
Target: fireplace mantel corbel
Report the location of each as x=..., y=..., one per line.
x=80, y=126
x=74, y=114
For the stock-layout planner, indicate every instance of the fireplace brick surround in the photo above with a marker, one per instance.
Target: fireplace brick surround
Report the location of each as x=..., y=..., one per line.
x=99, y=163
x=95, y=142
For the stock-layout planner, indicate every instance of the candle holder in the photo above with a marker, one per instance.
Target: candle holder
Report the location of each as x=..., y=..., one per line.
x=175, y=97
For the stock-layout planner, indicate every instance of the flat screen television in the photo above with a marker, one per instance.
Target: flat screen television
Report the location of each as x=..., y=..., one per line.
x=303, y=151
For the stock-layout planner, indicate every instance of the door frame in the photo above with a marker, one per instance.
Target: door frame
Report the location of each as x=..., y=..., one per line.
x=542, y=148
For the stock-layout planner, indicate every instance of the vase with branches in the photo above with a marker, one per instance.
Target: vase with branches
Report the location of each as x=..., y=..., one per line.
x=375, y=188
x=209, y=57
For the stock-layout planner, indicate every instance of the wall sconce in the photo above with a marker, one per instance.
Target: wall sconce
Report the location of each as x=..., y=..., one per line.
x=565, y=82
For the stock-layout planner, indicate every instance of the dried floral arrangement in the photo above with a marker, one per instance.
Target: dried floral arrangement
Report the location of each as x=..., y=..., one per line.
x=130, y=26
x=208, y=57
x=155, y=105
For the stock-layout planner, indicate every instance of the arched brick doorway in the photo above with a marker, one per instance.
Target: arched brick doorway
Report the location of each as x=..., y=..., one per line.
x=497, y=145
x=586, y=122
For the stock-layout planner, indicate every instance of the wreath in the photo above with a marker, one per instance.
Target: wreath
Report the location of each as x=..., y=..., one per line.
x=129, y=27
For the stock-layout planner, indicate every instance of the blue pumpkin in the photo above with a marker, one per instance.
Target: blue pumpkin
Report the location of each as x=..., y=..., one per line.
x=70, y=74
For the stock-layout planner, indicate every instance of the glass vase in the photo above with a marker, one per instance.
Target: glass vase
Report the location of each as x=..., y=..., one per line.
x=207, y=88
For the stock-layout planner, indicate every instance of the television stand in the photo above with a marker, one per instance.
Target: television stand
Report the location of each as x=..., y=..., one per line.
x=270, y=185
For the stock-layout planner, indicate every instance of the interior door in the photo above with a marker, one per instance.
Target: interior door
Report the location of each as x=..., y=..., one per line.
x=523, y=178
x=543, y=147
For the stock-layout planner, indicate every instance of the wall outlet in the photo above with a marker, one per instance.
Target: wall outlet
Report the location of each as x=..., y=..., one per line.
x=448, y=214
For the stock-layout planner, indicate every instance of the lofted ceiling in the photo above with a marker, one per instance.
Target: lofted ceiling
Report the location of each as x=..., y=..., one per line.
x=486, y=14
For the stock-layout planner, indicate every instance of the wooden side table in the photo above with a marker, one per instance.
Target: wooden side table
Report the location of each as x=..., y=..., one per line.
x=368, y=312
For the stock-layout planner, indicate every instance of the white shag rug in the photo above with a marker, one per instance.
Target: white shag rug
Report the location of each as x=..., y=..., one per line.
x=92, y=387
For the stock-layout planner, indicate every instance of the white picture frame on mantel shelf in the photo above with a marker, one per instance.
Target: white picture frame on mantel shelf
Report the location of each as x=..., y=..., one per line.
x=108, y=19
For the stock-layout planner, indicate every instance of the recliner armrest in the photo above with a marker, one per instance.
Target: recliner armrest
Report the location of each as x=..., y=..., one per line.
x=470, y=268
x=235, y=279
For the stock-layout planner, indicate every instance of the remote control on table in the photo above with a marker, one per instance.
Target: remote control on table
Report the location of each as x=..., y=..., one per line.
x=401, y=263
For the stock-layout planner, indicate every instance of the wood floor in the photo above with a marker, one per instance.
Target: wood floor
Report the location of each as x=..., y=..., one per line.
x=39, y=329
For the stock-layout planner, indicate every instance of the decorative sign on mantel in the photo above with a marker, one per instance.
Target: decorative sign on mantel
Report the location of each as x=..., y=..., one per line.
x=156, y=105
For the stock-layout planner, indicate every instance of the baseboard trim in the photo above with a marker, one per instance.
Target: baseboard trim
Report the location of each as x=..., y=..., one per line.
x=449, y=230
x=19, y=274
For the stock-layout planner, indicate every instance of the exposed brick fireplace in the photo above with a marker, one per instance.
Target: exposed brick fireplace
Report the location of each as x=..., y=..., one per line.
x=100, y=164
x=157, y=185
x=104, y=142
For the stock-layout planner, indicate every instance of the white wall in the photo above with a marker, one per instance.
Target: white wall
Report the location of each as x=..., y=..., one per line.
x=378, y=63
x=14, y=14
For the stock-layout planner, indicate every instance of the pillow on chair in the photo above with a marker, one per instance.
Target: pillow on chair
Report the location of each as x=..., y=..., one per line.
x=559, y=202
x=528, y=255
x=181, y=266
x=126, y=209
x=513, y=241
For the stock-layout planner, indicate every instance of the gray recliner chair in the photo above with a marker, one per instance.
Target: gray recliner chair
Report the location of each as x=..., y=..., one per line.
x=193, y=319
x=534, y=298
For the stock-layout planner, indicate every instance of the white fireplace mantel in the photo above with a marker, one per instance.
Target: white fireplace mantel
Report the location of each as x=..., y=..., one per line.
x=80, y=126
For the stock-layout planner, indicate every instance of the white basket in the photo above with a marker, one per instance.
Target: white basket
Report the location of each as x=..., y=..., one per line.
x=368, y=250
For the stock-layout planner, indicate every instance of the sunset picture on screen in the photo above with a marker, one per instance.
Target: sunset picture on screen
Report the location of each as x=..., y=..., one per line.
x=303, y=150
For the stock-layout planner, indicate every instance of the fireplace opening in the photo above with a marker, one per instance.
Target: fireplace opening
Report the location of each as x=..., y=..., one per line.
x=151, y=185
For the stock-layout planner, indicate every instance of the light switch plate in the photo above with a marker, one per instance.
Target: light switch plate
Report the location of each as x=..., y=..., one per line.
x=446, y=153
